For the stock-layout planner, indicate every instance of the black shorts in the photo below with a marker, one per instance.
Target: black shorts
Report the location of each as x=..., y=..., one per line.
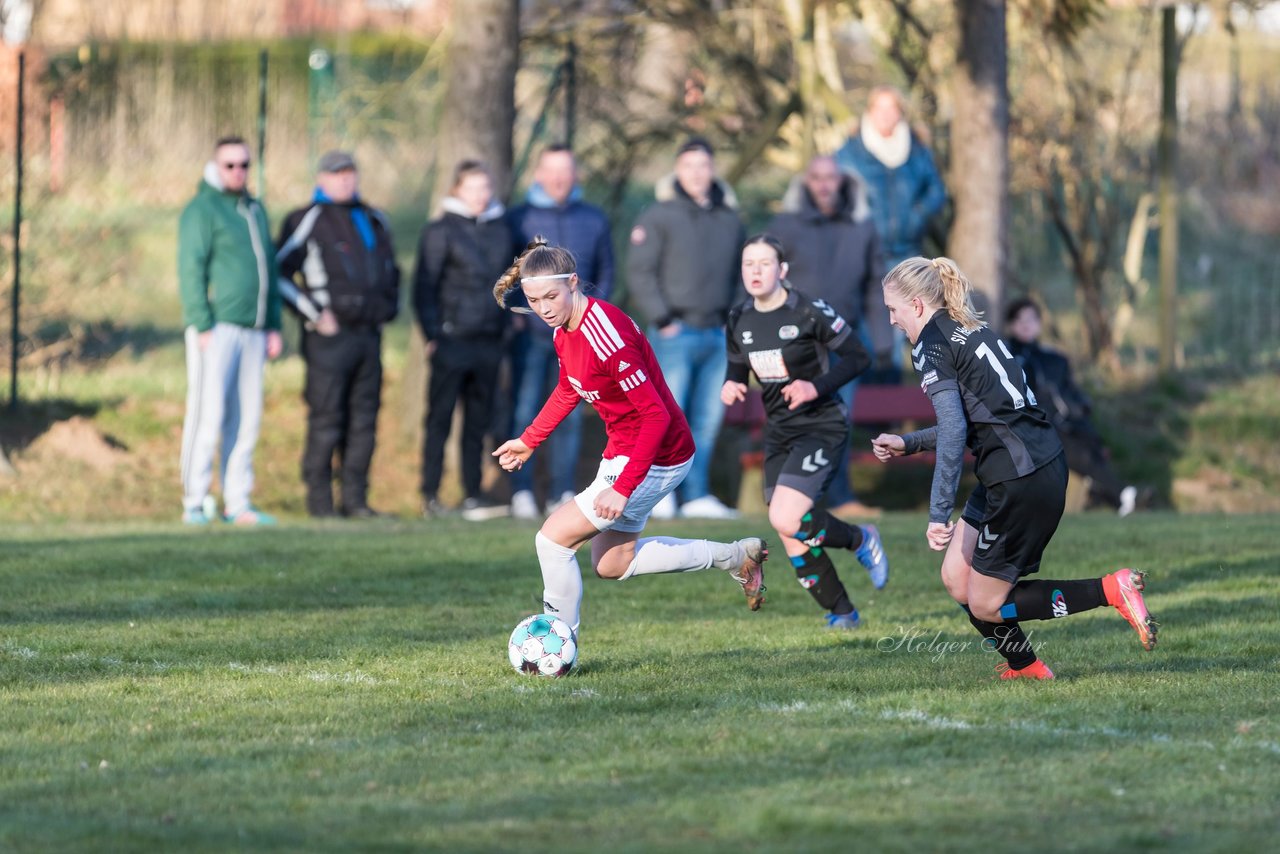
x=805, y=463
x=1016, y=519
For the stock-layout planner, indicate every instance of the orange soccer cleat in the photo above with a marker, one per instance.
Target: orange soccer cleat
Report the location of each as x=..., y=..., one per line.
x=1035, y=670
x=1123, y=590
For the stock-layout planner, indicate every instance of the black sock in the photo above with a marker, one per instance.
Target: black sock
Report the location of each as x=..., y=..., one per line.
x=820, y=528
x=1045, y=600
x=817, y=574
x=1006, y=638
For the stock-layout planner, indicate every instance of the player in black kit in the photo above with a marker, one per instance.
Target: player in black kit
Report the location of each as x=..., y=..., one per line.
x=786, y=340
x=982, y=400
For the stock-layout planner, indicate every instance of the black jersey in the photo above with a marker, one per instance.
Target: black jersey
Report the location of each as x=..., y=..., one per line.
x=1009, y=434
x=795, y=342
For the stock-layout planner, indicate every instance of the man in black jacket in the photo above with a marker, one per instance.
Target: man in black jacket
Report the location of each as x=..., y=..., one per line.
x=460, y=255
x=684, y=274
x=347, y=286
x=833, y=254
x=1068, y=407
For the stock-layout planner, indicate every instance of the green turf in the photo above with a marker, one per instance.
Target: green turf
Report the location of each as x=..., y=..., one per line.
x=345, y=687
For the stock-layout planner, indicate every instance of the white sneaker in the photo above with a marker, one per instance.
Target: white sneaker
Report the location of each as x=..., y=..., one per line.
x=666, y=508
x=524, y=506
x=564, y=499
x=707, y=507
x=1128, y=500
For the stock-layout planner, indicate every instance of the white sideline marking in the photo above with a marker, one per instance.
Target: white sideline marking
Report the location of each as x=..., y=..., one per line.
x=352, y=677
x=917, y=716
x=938, y=722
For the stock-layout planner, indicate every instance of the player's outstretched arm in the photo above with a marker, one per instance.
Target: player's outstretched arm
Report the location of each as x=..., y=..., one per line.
x=887, y=446
x=512, y=454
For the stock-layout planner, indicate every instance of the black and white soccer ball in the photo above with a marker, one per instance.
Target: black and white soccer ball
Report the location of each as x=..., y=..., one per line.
x=542, y=645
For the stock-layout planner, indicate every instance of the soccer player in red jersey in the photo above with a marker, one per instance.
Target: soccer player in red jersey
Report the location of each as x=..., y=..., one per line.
x=606, y=360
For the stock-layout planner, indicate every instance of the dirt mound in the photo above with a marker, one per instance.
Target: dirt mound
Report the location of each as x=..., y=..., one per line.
x=79, y=440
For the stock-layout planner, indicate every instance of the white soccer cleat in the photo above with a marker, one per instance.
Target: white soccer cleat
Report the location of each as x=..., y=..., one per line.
x=750, y=570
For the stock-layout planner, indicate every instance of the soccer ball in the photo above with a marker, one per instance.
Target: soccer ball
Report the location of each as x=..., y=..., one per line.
x=543, y=646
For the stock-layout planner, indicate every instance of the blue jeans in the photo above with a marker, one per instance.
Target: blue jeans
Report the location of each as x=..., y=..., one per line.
x=539, y=373
x=840, y=490
x=693, y=362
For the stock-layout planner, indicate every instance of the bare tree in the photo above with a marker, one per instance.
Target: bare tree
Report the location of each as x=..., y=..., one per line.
x=480, y=79
x=476, y=121
x=979, y=179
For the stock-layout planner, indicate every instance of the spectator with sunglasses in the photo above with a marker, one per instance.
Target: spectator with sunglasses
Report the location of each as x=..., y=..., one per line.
x=231, y=313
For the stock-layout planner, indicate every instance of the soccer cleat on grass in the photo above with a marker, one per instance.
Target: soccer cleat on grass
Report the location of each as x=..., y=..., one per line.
x=750, y=573
x=847, y=621
x=251, y=517
x=482, y=509
x=194, y=517
x=1035, y=670
x=1123, y=590
x=871, y=555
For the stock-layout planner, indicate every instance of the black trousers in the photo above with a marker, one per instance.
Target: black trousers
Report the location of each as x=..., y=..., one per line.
x=467, y=370
x=1087, y=455
x=343, y=393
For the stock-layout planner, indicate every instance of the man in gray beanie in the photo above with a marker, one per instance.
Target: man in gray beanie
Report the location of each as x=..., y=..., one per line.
x=340, y=275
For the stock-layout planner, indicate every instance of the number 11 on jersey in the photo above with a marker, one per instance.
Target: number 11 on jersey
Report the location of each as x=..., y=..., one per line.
x=985, y=352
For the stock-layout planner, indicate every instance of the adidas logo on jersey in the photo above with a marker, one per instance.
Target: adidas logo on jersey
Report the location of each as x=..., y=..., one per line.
x=633, y=381
x=622, y=366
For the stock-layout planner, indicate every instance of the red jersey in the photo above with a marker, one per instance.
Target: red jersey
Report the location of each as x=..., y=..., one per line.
x=608, y=363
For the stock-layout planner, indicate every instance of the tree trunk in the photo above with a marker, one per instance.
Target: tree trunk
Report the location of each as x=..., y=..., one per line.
x=979, y=179
x=476, y=121
x=480, y=84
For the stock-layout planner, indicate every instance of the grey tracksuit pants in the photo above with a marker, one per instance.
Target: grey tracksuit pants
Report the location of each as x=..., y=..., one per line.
x=224, y=401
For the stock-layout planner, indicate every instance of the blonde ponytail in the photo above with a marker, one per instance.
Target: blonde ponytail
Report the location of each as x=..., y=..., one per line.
x=957, y=294
x=937, y=282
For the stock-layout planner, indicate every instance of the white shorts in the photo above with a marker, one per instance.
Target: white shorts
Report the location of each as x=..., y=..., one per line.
x=660, y=482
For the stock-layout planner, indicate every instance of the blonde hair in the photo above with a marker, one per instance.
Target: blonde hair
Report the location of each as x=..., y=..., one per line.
x=938, y=282
x=538, y=259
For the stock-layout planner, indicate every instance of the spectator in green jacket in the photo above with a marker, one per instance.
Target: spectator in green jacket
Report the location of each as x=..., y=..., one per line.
x=231, y=312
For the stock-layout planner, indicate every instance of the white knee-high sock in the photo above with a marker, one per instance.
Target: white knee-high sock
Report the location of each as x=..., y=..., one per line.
x=658, y=555
x=561, y=580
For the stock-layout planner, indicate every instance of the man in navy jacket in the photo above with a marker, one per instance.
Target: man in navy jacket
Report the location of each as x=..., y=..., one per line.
x=554, y=209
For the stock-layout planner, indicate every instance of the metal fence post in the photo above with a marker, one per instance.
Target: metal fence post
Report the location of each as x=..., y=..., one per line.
x=16, y=333
x=262, y=124
x=319, y=96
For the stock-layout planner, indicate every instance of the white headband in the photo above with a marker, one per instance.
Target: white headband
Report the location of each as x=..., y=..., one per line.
x=545, y=278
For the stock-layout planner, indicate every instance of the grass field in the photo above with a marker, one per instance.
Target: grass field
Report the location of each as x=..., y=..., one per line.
x=344, y=687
